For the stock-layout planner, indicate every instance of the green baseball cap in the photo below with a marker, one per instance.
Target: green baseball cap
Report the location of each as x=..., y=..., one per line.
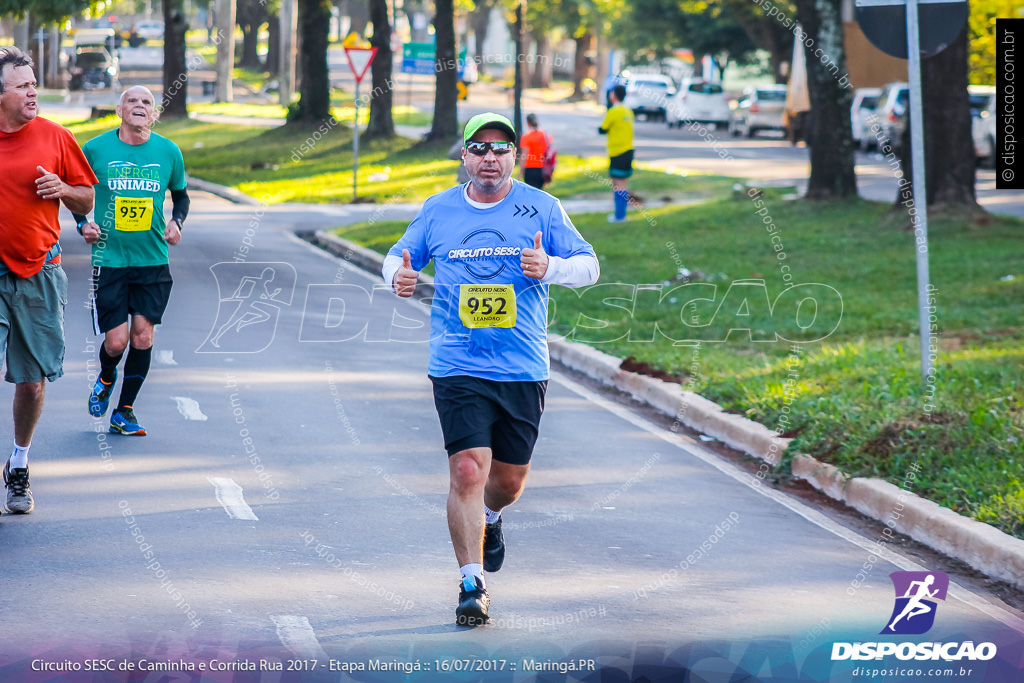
x=488, y=120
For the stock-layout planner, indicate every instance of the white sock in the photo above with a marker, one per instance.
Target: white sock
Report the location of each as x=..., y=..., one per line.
x=490, y=515
x=471, y=571
x=19, y=458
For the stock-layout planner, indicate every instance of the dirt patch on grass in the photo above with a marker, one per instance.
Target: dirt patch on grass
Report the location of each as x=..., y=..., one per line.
x=631, y=364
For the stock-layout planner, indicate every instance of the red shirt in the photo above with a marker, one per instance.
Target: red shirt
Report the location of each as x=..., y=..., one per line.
x=535, y=146
x=28, y=223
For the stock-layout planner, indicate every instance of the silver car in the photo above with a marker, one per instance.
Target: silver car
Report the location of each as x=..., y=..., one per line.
x=761, y=107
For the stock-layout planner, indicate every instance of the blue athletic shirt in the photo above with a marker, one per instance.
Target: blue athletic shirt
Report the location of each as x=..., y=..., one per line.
x=481, y=246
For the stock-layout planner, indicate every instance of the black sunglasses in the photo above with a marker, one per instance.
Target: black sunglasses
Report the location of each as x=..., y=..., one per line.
x=482, y=148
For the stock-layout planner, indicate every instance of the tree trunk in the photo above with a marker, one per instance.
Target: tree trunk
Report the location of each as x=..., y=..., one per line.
x=480, y=19
x=446, y=94
x=950, y=163
x=250, y=46
x=358, y=16
x=831, y=138
x=545, y=61
x=273, y=64
x=382, y=124
x=315, y=90
x=225, y=40
x=540, y=69
x=581, y=68
x=175, y=76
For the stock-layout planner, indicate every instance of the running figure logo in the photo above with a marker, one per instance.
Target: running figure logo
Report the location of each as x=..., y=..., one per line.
x=250, y=298
x=916, y=595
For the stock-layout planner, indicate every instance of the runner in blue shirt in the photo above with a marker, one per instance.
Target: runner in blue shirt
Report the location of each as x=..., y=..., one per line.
x=497, y=244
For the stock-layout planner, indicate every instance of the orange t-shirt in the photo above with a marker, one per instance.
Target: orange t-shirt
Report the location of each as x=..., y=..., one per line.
x=535, y=146
x=28, y=224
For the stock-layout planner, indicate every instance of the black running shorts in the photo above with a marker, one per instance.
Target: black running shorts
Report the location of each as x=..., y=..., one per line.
x=621, y=166
x=122, y=292
x=482, y=413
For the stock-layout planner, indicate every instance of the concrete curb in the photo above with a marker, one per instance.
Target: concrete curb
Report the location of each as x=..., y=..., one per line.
x=981, y=546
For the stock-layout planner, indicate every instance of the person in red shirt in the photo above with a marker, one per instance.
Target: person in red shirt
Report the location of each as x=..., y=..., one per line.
x=537, y=148
x=43, y=167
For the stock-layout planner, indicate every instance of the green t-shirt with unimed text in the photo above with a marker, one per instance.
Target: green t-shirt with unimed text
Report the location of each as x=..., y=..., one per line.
x=129, y=208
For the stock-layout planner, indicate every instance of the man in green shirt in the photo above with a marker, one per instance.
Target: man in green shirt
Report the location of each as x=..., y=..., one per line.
x=618, y=126
x=131, y=277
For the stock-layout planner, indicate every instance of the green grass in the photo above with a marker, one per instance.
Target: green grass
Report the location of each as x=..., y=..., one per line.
x=854, y=398
x=300, y=164
x=341, y=106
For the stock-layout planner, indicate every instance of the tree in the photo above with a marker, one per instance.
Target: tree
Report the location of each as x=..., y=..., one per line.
x=382, y=124
x=830, y=138
x=729, y=30
x=480, y=19
x=314, y=103
x=175, y=75
x=250, y=16
x=446, y=95
x=358, y=15
x=981, y=24
x=948, y=147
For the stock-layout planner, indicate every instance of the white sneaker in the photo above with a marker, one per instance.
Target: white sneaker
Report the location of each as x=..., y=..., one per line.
x=19, y=495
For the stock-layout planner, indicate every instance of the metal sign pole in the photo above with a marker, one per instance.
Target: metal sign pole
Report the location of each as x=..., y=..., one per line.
x=355, y=146
x=919, y=185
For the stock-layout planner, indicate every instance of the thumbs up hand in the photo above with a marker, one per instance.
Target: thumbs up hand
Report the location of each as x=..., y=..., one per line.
x=406, y=277
x=534, y=261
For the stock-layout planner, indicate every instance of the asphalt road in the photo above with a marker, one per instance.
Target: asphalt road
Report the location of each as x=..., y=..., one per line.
x=287, y=506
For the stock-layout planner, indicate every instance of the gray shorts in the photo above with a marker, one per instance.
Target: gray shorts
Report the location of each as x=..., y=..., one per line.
x=32, y=324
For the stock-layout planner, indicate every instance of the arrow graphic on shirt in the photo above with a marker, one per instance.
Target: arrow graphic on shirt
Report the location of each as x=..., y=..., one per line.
x=523, y=210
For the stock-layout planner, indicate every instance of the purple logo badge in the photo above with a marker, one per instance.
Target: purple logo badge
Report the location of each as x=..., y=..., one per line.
x=916, y=596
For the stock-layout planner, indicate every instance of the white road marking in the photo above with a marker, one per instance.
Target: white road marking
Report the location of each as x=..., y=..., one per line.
x=684, y=443
x=189, y=408
x=296, y=634
x=229, y=495
x=164, y=357
x=688, y=445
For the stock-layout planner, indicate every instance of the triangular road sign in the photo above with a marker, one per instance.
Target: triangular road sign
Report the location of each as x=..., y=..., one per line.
x=359, y=59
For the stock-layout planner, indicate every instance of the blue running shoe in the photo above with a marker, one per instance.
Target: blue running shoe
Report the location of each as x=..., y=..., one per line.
x=99, y=399
x=123, y=421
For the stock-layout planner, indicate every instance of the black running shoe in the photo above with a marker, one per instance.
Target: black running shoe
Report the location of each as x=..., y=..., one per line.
x=473, y=603
x=494, y=547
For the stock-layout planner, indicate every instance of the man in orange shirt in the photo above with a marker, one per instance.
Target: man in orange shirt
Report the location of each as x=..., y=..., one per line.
x=535, y=145
x=43, y=166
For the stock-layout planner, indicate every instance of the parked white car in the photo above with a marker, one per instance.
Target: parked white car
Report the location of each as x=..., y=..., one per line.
x=649, y=94
x=762, y=107
x=983, y=123
x=864, y=102
x=150, y=30
x=700, y=101
x=892, y=111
